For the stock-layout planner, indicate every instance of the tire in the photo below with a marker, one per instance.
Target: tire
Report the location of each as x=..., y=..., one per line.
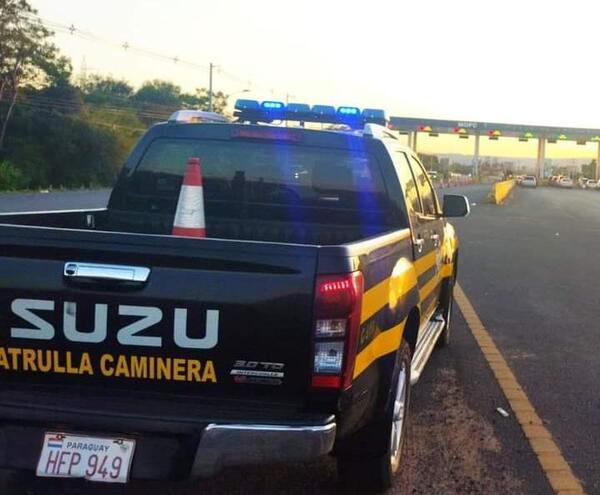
x=446, y=303
x=374, y=470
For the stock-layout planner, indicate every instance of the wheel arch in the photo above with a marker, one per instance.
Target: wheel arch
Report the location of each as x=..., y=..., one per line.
x=411, y=328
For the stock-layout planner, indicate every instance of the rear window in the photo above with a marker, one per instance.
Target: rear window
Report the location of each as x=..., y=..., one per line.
x=313, y=174
x=259, y=181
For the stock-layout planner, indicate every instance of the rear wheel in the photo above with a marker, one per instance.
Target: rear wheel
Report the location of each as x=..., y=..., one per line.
x=374, y=472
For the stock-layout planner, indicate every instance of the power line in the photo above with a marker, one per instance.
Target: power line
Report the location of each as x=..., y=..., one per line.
x=73, y=30
x=91, y=121
x=63, y=105
x=129, y=104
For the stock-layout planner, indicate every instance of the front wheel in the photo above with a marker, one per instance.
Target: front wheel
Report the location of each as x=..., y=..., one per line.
x=374, y=473
x=446, y=303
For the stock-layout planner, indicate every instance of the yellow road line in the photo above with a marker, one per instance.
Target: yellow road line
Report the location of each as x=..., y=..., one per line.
x=553, y=463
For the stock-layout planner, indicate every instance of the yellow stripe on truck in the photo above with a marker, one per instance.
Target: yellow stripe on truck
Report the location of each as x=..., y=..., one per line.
x=389, y=291
x=424, y=263
x=447, y=269
x=383, y=344
x=428, y=287
x=374, y=299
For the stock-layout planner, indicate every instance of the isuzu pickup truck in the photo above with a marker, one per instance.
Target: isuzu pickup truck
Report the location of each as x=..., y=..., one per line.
x=293, y=330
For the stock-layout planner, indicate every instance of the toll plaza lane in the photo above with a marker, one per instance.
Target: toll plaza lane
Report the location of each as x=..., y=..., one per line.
x=530, y=271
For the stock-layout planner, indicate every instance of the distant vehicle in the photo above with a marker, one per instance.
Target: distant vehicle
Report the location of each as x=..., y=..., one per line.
x=582, y=182
x=433, y=175
x=519, y=179
x=566, y=182
x=529, y=181
x=591, y=184
x=555, y=180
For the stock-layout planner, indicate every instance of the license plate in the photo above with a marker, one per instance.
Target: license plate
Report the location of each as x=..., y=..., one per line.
x=95, y=459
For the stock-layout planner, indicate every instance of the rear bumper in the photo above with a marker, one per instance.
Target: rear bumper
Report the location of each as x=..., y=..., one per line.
x=234, y=445
x=171, y=443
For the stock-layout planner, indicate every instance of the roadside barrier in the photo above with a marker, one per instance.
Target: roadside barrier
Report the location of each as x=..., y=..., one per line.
x=189, y=216
x=501, y=190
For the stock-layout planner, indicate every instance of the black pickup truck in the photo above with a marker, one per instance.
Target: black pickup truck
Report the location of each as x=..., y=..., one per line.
x=293, y=330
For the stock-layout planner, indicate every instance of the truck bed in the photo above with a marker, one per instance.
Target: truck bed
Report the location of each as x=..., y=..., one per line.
x=323, y=234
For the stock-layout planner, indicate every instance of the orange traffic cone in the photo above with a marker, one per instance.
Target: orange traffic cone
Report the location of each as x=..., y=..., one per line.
x=189, y=216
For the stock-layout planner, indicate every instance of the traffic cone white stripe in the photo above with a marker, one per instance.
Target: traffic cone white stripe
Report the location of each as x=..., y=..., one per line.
x=189, y=216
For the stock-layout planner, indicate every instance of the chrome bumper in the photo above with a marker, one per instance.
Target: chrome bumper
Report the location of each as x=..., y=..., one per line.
x=237, y=444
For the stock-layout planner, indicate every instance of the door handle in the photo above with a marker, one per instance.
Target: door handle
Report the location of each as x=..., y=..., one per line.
x=420, y=243
x=436, y=239
x=100, y=272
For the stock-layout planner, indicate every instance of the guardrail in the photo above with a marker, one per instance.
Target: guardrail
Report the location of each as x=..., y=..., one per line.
x=501, y=190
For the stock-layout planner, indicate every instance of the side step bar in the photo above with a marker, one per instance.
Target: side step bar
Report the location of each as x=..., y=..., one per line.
x=428, y=338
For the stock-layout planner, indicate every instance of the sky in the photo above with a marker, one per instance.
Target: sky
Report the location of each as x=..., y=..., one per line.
x=526, y=61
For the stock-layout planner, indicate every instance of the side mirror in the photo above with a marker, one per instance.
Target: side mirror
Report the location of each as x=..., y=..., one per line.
x=455, y=206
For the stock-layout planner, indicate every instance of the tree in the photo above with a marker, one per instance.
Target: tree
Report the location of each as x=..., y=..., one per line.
x=163, y=94
x=430, y=162
x=459, y=168
x=589, y=169
x=219, y=100
x=156, y=100
x=107, y=90
x=59, y=94
x=26, y=55
x=159, y=92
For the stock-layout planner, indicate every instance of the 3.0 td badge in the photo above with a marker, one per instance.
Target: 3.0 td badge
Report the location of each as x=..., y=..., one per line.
x=257, y=372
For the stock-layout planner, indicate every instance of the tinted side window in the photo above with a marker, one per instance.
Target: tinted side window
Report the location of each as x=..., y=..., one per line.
x=407, y=182
x=424, y=186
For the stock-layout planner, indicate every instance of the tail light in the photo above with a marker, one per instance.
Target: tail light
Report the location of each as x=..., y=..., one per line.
x=338, y=303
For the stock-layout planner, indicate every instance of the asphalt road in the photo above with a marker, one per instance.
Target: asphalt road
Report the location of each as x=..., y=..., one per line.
x=529, y=269
x=53, y=200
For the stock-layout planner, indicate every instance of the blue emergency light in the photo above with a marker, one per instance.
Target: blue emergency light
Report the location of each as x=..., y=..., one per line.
x=273, y=105
x=323, y=110
x=373, y=114
x=298, y=109
x=268, y=111
x=349, y=111
x=242, y=104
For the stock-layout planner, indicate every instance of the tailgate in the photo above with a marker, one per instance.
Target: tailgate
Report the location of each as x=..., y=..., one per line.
x=212, y=318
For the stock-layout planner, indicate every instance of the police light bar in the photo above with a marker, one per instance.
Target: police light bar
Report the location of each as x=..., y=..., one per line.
x=268, y=111
x=197, y=116
x=323, y=110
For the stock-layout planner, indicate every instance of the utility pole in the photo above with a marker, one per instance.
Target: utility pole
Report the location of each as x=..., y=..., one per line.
x=210, y=87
